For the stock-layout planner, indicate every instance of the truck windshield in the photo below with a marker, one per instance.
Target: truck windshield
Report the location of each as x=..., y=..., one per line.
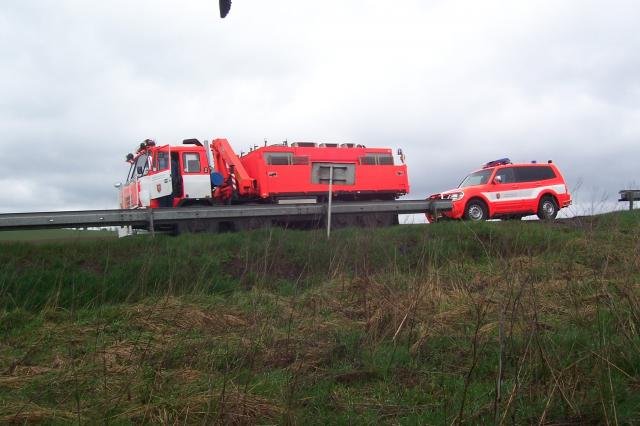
x=141, y=165
x=476, y=178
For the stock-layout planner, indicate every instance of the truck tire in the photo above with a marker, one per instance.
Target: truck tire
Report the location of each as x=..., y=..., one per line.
x=548, y=208
x=476, y=211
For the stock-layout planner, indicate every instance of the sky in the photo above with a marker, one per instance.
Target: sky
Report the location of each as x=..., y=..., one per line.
x=453, y=83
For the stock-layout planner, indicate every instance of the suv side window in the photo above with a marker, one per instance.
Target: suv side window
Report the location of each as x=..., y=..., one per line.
x=546, y=172
x=534, y=173
x=507, y=175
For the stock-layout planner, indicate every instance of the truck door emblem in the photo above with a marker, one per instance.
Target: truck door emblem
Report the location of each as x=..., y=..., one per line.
x=159, y=187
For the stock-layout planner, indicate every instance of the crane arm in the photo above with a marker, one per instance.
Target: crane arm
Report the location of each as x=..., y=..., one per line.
x=227, y=163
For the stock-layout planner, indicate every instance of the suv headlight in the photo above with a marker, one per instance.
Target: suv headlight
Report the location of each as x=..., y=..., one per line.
x=455, y=196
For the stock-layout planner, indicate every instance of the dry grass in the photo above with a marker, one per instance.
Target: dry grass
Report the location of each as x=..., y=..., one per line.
x=34, y=414
x=172, y=316
x=231, y=407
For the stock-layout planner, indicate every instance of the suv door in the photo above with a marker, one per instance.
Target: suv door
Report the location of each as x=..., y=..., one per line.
x=505, y=193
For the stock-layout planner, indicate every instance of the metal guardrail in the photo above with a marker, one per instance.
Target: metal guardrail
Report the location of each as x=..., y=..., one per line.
x=630, y=195
x=155, y=217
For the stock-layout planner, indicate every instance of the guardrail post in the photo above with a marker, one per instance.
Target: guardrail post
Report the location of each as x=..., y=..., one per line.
x=151, y=226
x=329, y=205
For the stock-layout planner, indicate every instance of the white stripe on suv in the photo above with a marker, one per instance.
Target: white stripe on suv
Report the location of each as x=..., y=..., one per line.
x=522, y=194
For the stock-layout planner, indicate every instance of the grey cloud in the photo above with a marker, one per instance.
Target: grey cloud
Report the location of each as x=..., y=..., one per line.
x=455, y=84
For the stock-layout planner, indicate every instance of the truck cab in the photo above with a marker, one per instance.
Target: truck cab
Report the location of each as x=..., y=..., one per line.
x=166, y=176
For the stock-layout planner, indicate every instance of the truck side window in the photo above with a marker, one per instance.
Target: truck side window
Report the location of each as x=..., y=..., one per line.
x=191, y=162
x=162, y=160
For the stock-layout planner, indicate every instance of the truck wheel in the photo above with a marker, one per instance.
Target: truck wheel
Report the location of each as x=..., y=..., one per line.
x=548, y=208
x=475, y=211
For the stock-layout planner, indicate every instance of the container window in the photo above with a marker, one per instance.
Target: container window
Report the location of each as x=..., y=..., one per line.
x=385, y=160
x=368, y=160
x=278, y=158
x=377, y=160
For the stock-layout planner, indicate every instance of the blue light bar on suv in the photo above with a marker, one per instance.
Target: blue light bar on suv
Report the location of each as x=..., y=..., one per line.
x=499, y=162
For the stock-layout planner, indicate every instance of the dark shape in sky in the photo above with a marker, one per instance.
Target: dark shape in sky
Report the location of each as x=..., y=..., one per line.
x=225, y=6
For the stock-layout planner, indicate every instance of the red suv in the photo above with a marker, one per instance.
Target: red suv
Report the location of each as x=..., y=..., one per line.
x=508, y=191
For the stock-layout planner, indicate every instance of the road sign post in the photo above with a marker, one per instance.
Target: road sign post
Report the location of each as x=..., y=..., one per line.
x=329, y=205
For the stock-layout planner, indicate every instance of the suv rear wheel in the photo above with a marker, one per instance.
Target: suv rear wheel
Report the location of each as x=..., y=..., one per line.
x=475, y=211
x=548, y=208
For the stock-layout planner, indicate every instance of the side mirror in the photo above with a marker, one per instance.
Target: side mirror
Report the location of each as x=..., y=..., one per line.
x=117, y=185
x=497, y=179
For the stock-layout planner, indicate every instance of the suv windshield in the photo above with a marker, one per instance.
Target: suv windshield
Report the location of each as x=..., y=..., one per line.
x=476, y=178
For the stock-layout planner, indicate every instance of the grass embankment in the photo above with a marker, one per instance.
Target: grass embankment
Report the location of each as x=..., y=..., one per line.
x=55, y=235
x=512, y=323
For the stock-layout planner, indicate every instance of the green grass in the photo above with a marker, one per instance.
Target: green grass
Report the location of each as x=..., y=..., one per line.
x=55, y=234
x=495, y=322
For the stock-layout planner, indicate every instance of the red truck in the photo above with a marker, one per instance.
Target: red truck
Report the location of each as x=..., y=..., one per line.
x=196, y=173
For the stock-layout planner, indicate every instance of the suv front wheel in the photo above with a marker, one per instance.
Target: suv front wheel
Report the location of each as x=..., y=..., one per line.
x=475, y=211
x=548, y=208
